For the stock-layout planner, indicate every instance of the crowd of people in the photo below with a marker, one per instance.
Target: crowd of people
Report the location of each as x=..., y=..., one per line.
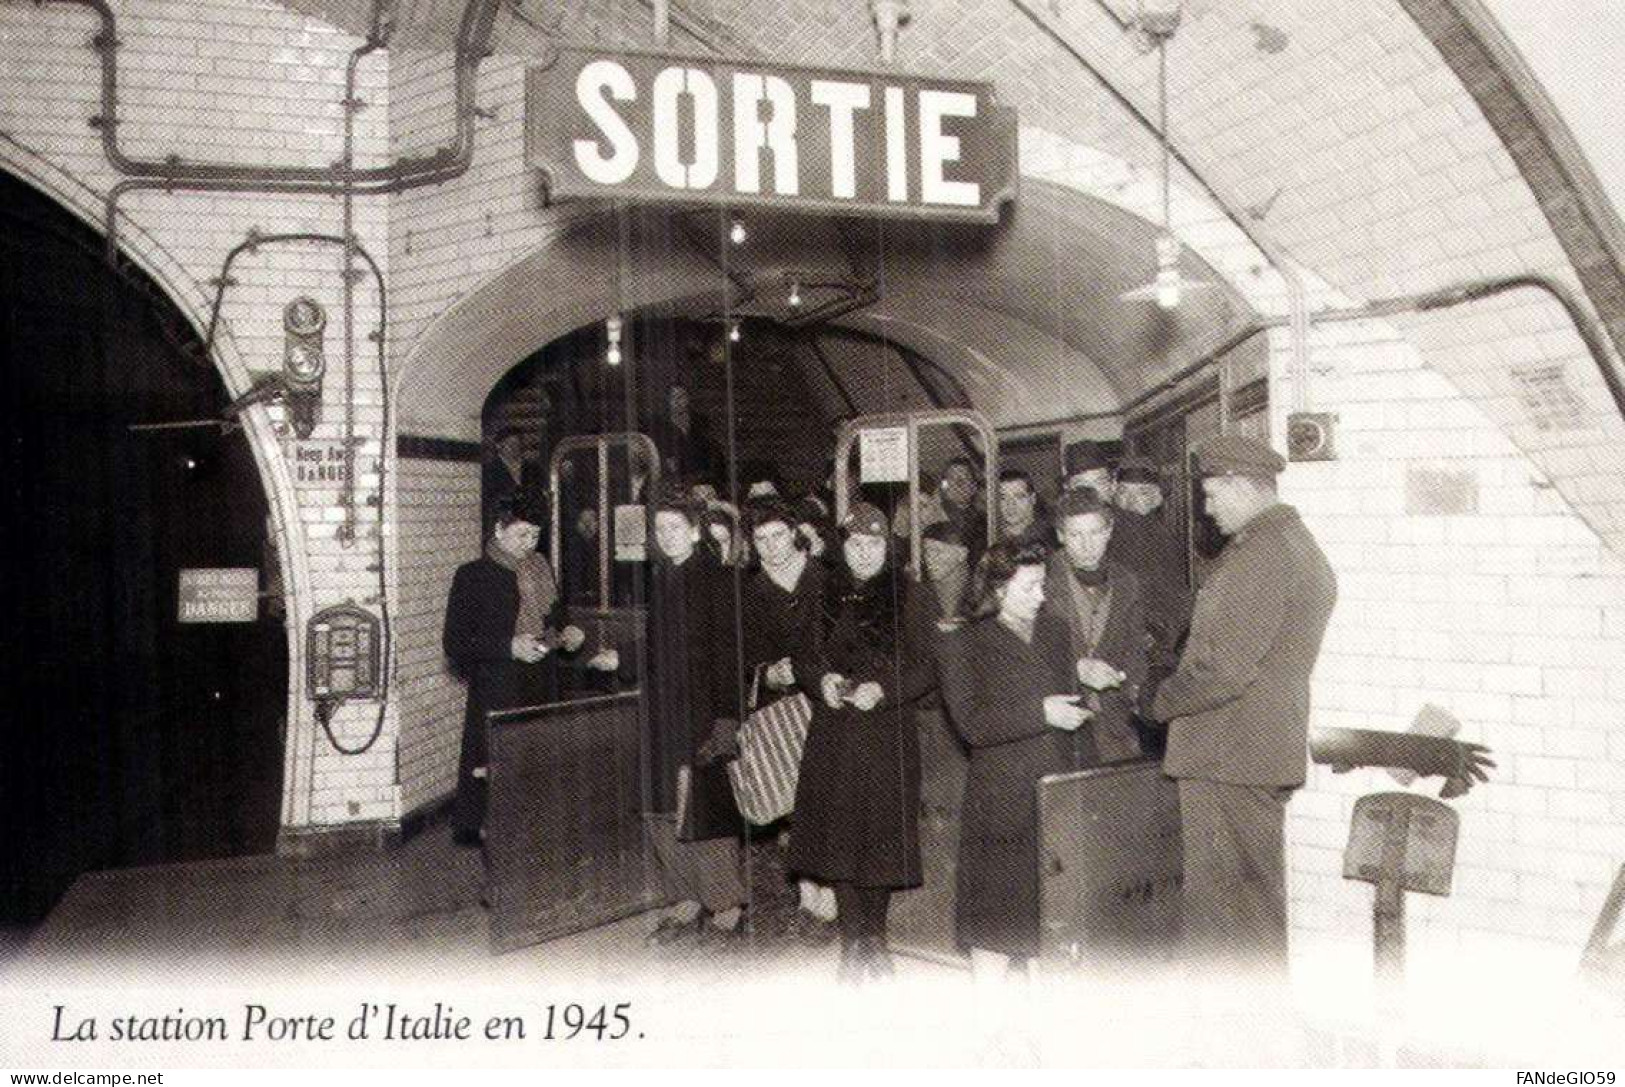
x=1068, y=640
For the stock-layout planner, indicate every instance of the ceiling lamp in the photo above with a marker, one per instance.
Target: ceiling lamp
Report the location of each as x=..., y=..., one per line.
x=795, y=294
x=612, y=337
x=733, y=331
x=1156, y=22
x=736, y=232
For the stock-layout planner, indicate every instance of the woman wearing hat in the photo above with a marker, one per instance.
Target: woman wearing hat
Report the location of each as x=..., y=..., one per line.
x=1008, y=685
x=859, y=793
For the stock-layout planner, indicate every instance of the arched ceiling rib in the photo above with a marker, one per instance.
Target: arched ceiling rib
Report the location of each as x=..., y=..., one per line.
x=1027, y=312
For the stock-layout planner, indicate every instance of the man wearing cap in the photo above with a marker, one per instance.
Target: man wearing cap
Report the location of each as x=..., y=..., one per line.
x=508, y=474
x=1144, y=544
x=1239, y=707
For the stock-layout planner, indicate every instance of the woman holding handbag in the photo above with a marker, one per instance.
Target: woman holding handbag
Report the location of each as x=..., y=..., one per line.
x=858, y=798
x=782, y=598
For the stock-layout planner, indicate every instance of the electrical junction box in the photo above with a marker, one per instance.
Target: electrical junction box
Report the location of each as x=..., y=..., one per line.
x=1311, y=435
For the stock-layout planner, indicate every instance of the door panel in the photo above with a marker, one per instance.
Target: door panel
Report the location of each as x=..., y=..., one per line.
x=564, y=830
x=1109, y=866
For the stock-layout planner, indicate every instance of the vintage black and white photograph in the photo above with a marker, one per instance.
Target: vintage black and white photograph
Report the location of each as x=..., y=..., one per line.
x=862, y=534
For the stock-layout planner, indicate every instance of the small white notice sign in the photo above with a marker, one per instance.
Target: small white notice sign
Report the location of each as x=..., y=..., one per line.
x=631, y=534
x=883, y=455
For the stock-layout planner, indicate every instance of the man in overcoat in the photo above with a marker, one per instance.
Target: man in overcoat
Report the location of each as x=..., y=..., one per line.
x=1238, y=705
x=503, y=618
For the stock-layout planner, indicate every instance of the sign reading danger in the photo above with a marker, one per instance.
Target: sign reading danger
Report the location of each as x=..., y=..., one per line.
x=219, y=595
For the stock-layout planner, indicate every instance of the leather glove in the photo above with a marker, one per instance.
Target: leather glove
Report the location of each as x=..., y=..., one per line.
x=721, y=745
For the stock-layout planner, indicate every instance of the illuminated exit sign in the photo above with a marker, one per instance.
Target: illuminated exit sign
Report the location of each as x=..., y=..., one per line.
x=670, y=129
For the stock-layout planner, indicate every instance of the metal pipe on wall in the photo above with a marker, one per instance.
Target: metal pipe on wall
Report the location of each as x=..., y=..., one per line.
x=1297, y=297
x=222, y=283
x=174, y=174
x=473, y=42
x=1443, y=298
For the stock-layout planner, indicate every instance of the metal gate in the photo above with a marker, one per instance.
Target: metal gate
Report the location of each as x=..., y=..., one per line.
x=1109, y=866
x=564, y=829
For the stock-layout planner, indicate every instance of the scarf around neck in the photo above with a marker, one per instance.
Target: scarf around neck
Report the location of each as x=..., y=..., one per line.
x=537, y=589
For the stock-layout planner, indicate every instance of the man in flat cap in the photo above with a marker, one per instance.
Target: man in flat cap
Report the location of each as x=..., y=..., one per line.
x=1143, y=543
x=1238, y=707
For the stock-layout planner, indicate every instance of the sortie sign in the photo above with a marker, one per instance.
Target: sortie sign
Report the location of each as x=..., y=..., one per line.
x=664, y=129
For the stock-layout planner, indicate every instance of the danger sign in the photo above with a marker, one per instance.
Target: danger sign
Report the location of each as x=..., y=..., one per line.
x=219, y=595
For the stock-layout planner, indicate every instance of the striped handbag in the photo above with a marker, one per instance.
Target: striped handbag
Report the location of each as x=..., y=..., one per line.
x=769, y=764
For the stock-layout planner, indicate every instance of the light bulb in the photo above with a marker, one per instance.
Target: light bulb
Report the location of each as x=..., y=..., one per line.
x=733, y=331
x=736, y=232
x=795, y=293
x=613, y=355
x=1168, y=288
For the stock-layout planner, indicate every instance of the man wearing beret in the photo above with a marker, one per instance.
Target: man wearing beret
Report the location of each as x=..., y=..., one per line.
x=1142, y=542
x=1238, y=705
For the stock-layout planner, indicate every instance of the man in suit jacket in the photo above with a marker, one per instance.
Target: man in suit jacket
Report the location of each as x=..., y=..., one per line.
x=1100, y=603
x=1239, y=707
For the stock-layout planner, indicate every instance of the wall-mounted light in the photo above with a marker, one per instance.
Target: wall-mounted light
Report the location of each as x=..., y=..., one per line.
x=303, y=362
x=1168, y=281
x=736, y=232
x=795, y=294
x=889, y=16
x=612, y=339
x=1158, y=19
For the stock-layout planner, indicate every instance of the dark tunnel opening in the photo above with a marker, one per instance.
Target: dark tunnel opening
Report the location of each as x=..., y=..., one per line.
x=135, y=739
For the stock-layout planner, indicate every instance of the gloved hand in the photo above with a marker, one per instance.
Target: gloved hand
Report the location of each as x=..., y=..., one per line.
x=721, y=745
x=1460, y=763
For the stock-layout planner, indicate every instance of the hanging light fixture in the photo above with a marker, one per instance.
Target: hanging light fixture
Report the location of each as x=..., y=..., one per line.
x=733, y=331
x=795, y=294
x=1155, y=23
x=612, y=338
x=736, y=232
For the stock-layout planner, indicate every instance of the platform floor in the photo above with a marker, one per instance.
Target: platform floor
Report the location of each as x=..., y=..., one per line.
x=409, y=921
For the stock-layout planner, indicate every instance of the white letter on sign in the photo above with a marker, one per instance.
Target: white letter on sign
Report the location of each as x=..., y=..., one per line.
x=936, y=148
x=670, y=85
x=843, y=100
x=778, y=135
x=896, y=147
x=594, y=80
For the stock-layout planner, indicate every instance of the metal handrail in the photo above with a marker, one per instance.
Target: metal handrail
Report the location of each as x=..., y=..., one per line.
x=913, y=421
x=628, y=439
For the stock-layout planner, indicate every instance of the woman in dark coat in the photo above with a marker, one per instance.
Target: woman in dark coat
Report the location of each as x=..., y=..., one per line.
x=1008, y=685
x=782, y=601
x=693, y=696
x=858, y=798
